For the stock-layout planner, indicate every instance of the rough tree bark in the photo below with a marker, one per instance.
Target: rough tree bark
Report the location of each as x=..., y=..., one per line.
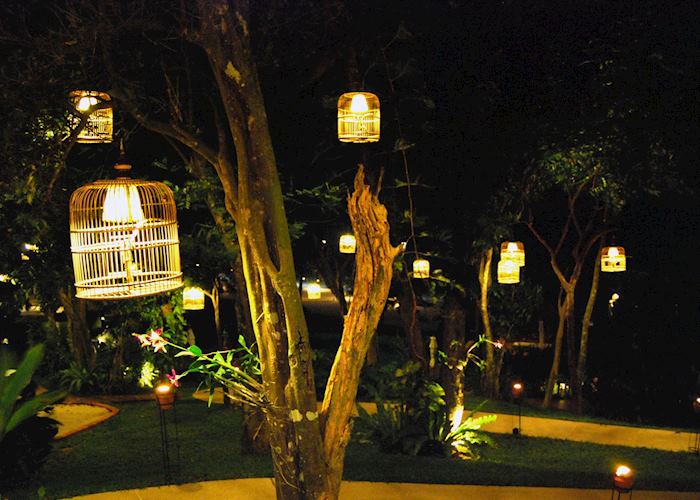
x=453, y=344
x=78, y=331
x=489, y=379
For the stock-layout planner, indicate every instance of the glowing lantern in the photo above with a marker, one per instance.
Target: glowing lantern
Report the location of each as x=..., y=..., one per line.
x=347, y=243
x=623, y=478
x=508, y=272
x=313, y=291
x=517, y=390
x=124, y=239
x=98, y=128
x=165, y=396
x=613, y=260
x=421, y=269
x=358, y=117
x=513, y=250
x=193, y=299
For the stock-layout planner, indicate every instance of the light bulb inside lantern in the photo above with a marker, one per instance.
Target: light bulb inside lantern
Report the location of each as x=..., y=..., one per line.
x=613, y=252
x=512, y=247
x=86, y=102
x=623, y=471
x=359, y=104
x=163, y=388
x=122, y=205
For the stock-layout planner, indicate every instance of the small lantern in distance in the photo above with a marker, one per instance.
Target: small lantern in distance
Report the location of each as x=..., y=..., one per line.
x=613, y=260
x=421, y=269
x=696, y=405
x=517, y=390
x=193, y=299
x=358, y=117
x=513, y=250
x=508, y=272
x=99, y=125
x=347, y=243
x=165, y=396
x=313, y=291
x=623, y=480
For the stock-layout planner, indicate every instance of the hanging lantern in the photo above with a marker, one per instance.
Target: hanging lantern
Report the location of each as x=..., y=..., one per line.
x=98, y=128
x=347, y=243
x=513, y=250
x=508, y=272
x=613, y=260
x=358, y=117
x=421, y=269
x=124, y=239
x=193, y=298
x=313, y=291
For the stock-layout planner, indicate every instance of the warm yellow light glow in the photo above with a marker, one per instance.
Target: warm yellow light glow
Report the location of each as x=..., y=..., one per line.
x=517, y=386
x=421, y=269
x=697, y=400
x=193, y=299
x=148, y=373
x=5, y=278
x=613, y=260
x=508, y=272
x=457, y=417
x=513, y=250
x=313, y=291
x=623, y=471
x=347, y=243
x=86, y=103
x=31, y=247
x=163, y=388
x=358, y=117
x=615, y=296
x=24, y=256
x=122, y=205
x=359, y=104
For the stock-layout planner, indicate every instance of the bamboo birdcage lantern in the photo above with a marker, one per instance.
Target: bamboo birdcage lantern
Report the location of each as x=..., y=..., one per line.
x=513, y=250
x=508, y=272
x=99, y=125
x=192, y=298
x=358, y=117
x=347, y=243
x=421, y=269
x=613, y=260
x=124, y=239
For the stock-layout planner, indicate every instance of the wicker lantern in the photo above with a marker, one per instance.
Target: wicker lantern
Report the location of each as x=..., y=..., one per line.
x=613, y=260
x=513, y=250
x=358, y=117
x=98, y=128
x=193, y=299
x=124, y=239
x=421, y=269
x=347, y=243
x=313, y=291
x=508, y=272
x=623, y=479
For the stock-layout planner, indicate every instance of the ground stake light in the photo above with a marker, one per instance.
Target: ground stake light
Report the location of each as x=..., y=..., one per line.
x=347, y=243
x=358, y=117
x=513, y=250
x=99, y=125
x=124, y=239
x=613, y=260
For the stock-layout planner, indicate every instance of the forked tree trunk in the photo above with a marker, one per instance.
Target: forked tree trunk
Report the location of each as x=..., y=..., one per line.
x=563, y=313
x=585, y=328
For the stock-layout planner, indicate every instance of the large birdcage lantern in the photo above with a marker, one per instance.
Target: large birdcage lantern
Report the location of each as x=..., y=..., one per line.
x=347, y=243
x=513, y=250
x=124, y=239
x=613, y=260
x=192, y=298
x=421, y=269
x=358, y=117
x=99, y=124
x=508, y=272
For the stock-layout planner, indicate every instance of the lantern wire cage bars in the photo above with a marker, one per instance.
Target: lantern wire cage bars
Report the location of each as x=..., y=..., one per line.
x=508, y=272
x=358, y=117
x=513, y=250
x=124, y=239
x=613, y=260
x=99, y=124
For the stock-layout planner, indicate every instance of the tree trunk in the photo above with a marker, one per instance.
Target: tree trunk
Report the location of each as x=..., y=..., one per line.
x=453, y=336
x=585, y=327
x=571, y=344
x=408, y=312
x=78, y=331
x=489, y=374
x=563, y=310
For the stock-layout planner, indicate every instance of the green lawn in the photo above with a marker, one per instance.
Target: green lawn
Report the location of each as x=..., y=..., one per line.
x=124, y=452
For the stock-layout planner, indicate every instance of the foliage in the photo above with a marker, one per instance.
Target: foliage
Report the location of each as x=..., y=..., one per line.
x=24, y=437
x=417, y=423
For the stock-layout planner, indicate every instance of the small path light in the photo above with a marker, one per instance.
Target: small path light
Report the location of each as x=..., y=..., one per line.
x=165, y=399
x=623, y=481
x=517, y=390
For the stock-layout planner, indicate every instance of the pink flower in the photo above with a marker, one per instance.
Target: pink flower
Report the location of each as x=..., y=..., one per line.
x=143, y=338
x=173, y=377
x=499, y=344
x=153, y=339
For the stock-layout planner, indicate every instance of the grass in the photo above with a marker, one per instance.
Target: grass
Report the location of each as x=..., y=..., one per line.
x=124, y=453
